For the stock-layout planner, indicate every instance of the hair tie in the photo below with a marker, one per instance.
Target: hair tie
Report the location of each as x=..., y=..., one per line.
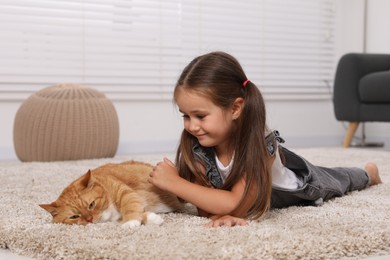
x=245, y=82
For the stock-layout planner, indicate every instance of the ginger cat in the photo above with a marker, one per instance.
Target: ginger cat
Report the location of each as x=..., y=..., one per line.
x=113, y=192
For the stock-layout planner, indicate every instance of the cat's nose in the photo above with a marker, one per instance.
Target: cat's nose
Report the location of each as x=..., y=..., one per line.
x=89, y=219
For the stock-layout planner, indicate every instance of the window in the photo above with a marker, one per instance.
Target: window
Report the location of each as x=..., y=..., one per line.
x=137, y=49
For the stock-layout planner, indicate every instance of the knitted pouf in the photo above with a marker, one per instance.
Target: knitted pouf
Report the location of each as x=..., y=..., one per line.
x=66, y=122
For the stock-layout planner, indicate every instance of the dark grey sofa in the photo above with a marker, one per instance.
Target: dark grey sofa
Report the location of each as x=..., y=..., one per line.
x=362, y=90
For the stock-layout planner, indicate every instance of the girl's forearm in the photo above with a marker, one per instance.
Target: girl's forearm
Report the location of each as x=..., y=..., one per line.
x=213, y=201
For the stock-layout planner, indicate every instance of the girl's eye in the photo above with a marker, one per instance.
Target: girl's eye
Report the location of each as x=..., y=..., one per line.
x=74, y=217
x=91, y=205
x=197, y=116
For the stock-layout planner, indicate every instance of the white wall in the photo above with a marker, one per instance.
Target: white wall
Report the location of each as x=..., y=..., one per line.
x=155, y=126
x=378, y=26
x=148, y=126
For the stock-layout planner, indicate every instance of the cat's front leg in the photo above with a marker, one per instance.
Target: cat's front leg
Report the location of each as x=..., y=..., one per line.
x=131, y=207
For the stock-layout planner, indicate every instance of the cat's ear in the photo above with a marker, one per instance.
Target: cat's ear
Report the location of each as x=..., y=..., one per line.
x=51, y=208
x=85, y=180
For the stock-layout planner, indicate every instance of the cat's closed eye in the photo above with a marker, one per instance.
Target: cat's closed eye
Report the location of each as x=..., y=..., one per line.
x=74, y=217
x=91, y=205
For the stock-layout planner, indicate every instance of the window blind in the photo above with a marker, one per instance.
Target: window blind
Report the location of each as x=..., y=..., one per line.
x=137, y=49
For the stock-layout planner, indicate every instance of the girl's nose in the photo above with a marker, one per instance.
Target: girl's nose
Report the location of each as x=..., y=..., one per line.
x=194, y=127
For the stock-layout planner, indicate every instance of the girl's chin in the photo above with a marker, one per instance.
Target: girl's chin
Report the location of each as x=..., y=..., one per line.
x=205, y=143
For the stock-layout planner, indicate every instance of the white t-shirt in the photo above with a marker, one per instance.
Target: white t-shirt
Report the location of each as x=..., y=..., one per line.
x=282, y=177
x=224, y=170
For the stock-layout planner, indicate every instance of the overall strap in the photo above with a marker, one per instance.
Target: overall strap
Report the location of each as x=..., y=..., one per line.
x=272, y=140
x=207, y=157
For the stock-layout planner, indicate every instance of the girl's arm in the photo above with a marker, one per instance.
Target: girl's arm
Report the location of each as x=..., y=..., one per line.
x=209, y=200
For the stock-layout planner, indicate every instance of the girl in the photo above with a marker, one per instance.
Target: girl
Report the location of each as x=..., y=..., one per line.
x=228, y=164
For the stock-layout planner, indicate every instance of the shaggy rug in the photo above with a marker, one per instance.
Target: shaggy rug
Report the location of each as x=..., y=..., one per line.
x=354, y=226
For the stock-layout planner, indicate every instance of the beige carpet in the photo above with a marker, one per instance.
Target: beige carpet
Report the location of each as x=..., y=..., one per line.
x=355, y=226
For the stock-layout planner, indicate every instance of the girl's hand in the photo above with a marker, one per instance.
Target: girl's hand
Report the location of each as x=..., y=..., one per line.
x=226, y=220
x=164, y=175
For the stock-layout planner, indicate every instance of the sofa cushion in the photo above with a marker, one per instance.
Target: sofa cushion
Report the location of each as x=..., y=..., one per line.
x=375, y=87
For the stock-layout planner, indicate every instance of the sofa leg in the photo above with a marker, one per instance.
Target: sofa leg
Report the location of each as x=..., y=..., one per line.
x=352, y=127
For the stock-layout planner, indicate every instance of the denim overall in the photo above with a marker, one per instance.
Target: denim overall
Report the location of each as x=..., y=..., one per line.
x=319, y=183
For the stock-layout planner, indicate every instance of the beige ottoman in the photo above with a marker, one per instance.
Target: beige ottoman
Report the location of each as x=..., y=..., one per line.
x=66, y=122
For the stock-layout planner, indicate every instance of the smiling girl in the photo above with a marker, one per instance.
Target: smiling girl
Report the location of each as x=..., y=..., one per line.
x=228, y=163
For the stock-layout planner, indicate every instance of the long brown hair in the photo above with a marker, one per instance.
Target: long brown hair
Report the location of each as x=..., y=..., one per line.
x=220, y=77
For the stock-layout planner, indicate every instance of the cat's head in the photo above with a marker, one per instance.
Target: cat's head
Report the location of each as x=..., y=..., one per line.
x=82, y=202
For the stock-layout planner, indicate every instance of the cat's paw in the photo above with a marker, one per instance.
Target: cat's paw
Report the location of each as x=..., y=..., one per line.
x=153, y=218
x=131, y=224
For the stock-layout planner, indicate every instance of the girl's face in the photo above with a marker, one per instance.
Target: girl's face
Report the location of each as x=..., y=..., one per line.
x=210, y=124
